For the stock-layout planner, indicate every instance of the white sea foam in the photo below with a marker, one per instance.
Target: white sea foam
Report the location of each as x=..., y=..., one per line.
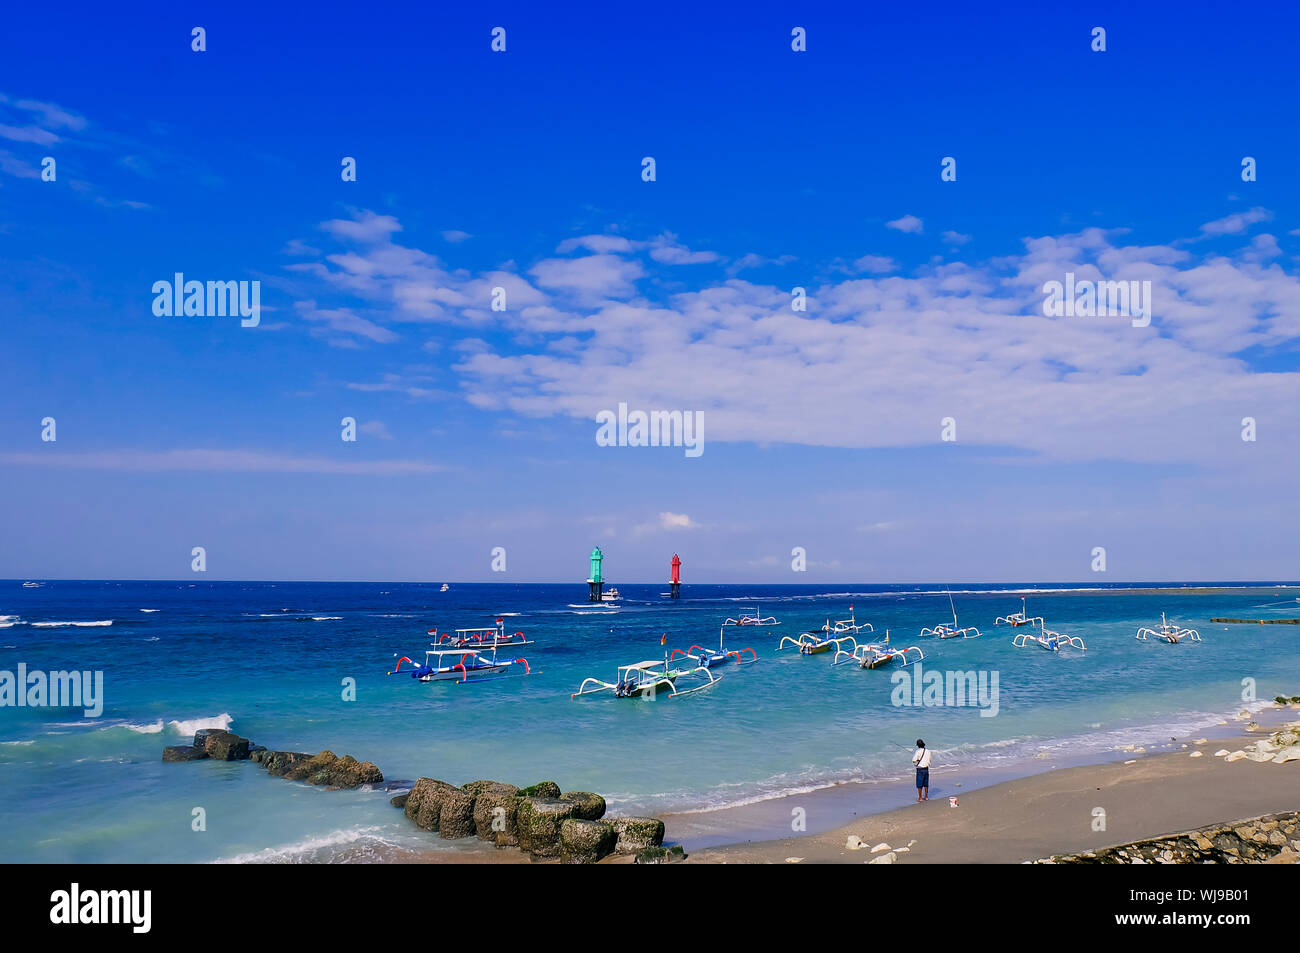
x=59, y=625
x=151, y=610
x=306, y=850
x=153, y=729
x=221, y=721
x=326, y=618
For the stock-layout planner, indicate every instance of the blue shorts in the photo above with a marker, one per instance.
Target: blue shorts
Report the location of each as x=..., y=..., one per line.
x=922, y=777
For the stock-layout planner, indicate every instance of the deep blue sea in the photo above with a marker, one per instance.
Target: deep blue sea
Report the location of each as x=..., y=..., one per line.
x=270, y=660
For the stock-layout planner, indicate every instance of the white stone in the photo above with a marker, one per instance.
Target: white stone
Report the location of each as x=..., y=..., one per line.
x=884, y=858
x=879, y=847
x=1236, y=756
x=1221, y=752
x=854, y=843
x=1197, y=754
x=1201, y=741
x=1287, y=754
x=793, y=860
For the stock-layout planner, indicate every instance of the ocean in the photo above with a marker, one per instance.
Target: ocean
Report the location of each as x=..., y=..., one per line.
x=271, y=661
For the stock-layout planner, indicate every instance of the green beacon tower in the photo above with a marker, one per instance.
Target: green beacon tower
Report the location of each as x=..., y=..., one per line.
x=595, y=583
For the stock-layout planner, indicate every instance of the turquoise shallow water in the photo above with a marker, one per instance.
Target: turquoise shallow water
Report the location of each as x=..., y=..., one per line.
x=270, y=659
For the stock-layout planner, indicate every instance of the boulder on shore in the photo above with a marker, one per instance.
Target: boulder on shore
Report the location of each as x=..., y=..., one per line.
x=538, y=821
x=494, y=813
x=586, y=805
x=585, y=842
x=424, y=802
x=541, y=789
x=636, y=834
x=348, y=772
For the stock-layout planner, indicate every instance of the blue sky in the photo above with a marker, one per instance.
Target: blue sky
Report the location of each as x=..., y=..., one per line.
x=775, y=169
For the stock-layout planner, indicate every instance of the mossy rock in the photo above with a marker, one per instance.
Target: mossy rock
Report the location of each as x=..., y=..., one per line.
x=455, y=815
x=541, y=789
x=661, y=855
x=348, y=772
x=399, y=800
x=584, y=841
x=538, y=821
x=314, y=769
x=424, y=802
x=226, y=746
x=494, y=814
x=586, y=805
x=636, y=834
x=280, y=763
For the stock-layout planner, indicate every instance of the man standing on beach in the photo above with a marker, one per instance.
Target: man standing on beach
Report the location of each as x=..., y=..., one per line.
x=922, y=761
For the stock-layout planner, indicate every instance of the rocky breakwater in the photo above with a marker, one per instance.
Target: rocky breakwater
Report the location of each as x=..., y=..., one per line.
x=1270, y=839
x=539, y=820
x=325, y=768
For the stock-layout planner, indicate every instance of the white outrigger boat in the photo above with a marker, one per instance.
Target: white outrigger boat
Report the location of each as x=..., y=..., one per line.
x=877, y=654
x=830, y=637
x=1169, y=632
x=755, y=619
x=1019, y=618
x=1047, y=639
x=461, y=665
x=651, y=679
x=817, y=642
x=484, y=637
x=945, y=631
x=710, y=658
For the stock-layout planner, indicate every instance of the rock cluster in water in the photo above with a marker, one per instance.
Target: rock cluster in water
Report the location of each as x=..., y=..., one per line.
x=539, y=820
x=1271, y=839
x=326, y=768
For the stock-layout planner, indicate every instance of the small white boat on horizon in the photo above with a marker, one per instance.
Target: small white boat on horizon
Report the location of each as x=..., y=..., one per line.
x=444, y=588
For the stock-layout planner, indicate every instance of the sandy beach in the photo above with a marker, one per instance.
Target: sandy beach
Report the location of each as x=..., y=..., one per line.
x=1053, y=813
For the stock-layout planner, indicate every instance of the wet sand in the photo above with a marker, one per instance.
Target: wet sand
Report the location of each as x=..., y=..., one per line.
x=1052, y=813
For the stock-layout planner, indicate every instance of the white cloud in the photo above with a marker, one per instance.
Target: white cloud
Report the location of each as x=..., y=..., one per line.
x=908, y=223
x=1235, y=223
x=207, y=460
x=875, y=264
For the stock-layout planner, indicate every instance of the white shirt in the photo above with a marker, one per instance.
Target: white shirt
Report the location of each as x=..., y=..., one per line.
x=922, y=758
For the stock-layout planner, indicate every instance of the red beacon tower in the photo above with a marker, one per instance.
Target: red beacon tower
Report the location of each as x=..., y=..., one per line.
x=675, y=586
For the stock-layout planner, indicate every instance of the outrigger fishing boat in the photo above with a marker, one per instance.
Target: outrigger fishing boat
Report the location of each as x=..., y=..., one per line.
x=709, y=658
x=755, y=619
x=877, y=654
x=817, y=641
x=1047, y=639
x=461, y=665
x=484, y=637
x=945, y=631
x=1169, y=632
x=1019, y=618
x=830, y=637
x=652, y=679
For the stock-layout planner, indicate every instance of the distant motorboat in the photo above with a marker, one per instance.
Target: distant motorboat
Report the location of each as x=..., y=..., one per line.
x=444, y=588
x=610, y=595
x=33, y=585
